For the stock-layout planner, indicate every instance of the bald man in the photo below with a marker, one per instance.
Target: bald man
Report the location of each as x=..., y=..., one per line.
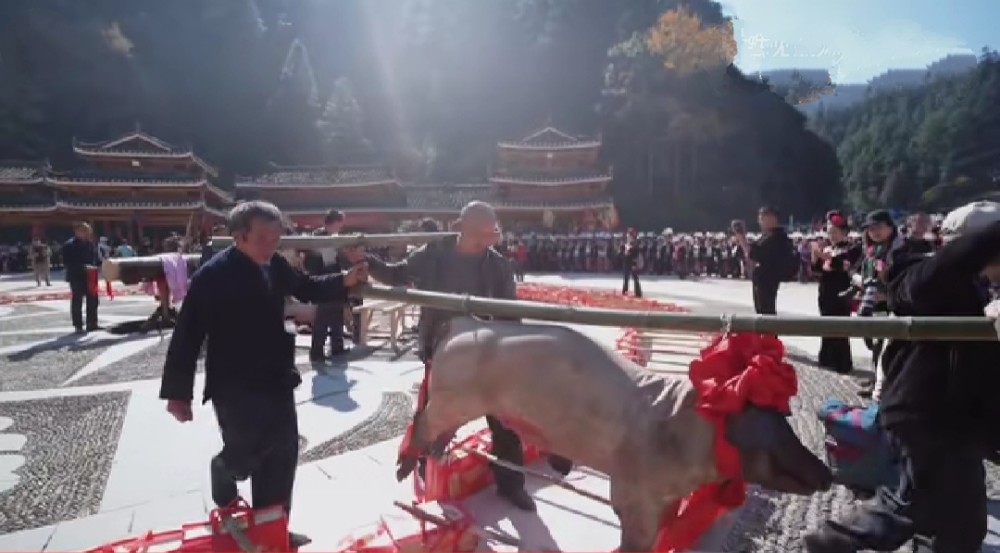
x=467, y=265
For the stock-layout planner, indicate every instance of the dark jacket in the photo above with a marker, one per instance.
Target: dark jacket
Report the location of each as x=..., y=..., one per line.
x=424, y=267
x=951, y=385
x=314, y=264
x=77, y=254
x=773, y=254
x=231, y=305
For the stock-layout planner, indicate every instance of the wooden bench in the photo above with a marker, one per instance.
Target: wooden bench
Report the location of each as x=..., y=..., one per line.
x=396, y=312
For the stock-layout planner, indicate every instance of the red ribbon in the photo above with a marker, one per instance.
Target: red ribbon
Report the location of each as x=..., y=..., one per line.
x=733, y=371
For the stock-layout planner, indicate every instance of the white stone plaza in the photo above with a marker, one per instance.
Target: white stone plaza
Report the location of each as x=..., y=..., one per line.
x=88, y=454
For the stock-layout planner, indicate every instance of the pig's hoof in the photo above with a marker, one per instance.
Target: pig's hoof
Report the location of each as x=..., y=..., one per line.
x=404, y=467
x=561, y=465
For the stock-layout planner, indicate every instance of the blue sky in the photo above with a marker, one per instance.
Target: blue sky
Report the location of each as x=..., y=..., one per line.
x=859, y=39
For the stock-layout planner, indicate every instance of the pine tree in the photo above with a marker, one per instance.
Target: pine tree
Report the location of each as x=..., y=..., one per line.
x=341, y=126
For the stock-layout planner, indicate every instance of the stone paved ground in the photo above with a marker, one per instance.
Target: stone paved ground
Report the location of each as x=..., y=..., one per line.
x=70, y=409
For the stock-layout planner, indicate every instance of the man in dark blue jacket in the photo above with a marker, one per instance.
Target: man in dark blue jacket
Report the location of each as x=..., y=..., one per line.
x=939, y=402
x=237, y=302
x=78, y=254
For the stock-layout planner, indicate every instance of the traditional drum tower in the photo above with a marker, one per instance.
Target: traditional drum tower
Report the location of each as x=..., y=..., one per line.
x=549, y=179
x=553, y=179
x=135, y=185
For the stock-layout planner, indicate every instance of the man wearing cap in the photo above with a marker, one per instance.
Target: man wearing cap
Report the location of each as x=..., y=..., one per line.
x=466, y=265
x=939, y=403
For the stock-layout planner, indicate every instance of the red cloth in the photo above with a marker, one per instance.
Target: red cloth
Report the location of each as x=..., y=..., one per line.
x=733, y=371
x=92, y=288
x=406, y=446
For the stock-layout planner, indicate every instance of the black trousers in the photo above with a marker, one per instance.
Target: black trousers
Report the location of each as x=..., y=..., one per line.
x=765, y=297
x=835, y=353
x=79, y=291
x=329, y=323
x=941, y=497
x=629, y=273
x=260, y=437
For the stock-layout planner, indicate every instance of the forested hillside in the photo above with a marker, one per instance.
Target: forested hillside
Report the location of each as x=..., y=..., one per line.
x=925, y=147
x=429, y=85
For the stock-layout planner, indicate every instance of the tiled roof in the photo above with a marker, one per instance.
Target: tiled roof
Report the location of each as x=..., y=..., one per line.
x=320, y=177
x=129, y=204
x=344, y=203
x=18, y=173
x=41, y=199
x=126, y=177
x=551, y=180
x=550, y=138
x=455, y=197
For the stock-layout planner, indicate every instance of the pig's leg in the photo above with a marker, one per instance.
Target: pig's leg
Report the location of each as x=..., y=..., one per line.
x=433, y=428
x=639, y=515
x=560, y=464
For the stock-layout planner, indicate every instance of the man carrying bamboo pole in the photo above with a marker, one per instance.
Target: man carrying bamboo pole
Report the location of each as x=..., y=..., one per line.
x=237, y=303
x=939, y=402
x=466, y=265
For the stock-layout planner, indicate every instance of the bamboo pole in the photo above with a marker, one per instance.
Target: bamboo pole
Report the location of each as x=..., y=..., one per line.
x=536, y=474
x=131, y=270
x=901, y=328
x=345, y=240
x=486, y=533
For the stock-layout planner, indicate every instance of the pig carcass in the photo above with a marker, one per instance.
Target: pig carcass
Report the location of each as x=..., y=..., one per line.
x=584, y=402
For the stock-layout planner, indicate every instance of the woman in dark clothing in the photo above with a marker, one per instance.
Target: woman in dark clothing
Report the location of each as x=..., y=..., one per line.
x=833, y=264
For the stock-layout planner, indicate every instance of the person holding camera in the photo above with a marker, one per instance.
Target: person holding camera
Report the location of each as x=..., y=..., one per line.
x=772, y=258
x=938, y=406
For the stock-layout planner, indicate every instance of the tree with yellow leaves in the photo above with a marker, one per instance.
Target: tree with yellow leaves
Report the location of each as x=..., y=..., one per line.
x=687, y=46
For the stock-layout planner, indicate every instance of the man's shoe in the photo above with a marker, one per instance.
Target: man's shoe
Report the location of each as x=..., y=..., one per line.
x=317, y=357
x=296, y=540
x=79, y=330
x=824, y=541
x=518, y=498
x=338, y=352
x=94, y=328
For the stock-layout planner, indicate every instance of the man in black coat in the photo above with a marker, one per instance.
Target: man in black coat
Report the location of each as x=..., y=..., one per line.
x=774, y=260
x=939, y=402
x=329, y=321
x=631, y=257
x=78, y=254
x=236, y=301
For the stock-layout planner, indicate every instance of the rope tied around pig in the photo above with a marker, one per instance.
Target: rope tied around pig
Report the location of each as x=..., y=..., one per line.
x=733, y=371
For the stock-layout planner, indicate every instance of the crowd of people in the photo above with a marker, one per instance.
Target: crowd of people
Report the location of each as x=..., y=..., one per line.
x=935, y=397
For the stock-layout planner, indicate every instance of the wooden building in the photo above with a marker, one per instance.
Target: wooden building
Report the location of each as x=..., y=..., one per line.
x=546, y=180
x=132, y=186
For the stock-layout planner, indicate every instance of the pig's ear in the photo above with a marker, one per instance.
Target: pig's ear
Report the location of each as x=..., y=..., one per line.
x=756, y=428
x=772, y=456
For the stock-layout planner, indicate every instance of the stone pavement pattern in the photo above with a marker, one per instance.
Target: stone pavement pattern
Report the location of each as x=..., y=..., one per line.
x=88, y=455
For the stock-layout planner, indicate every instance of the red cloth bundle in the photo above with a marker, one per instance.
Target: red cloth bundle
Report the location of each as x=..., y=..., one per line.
x=607, y=299
x=404, y=534
x=461, y=473
x=733, y=371
x=266, y=529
